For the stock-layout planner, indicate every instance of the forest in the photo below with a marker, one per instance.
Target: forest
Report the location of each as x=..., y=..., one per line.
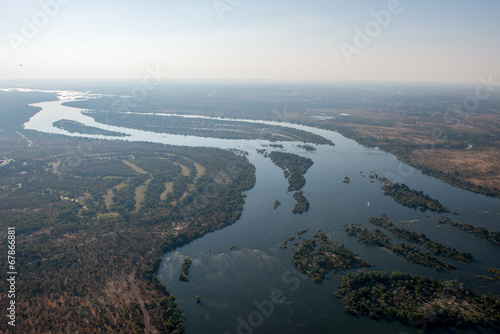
x=415, y=300
x=94, y=219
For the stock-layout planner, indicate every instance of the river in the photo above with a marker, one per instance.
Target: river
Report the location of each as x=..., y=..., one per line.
x=237, y=287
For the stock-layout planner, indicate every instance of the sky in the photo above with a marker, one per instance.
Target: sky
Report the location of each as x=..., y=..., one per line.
x=314, y=40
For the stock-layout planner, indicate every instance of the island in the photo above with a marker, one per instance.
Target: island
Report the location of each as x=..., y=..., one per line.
x=186, y=263
x=316, y=257
x=411, y=253
x=410, y=198
x=415, y=300
x=421, y=239
x=276, y=204
x=492, y=236
x=294, y=167
x=77, y=127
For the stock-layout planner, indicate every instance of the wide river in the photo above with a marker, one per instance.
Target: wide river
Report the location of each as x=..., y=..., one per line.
x=236, y=284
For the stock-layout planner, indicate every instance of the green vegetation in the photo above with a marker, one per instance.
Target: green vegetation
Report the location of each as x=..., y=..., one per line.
x=294, y=167
x=197, y=299
x=411, y=253
x=186, y=263
x=412, y=299
x=73, y=126
x=276, y=204
x=316, y=257
x=493, y=236
x=87, y=267
x=421, y=239
x=302, y=204
x=405, y=196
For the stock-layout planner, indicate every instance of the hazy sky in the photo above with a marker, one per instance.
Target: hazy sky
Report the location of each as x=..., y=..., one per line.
x=423, y=40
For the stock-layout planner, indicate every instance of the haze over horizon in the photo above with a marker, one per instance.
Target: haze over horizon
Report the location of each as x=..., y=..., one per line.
x=420, y=41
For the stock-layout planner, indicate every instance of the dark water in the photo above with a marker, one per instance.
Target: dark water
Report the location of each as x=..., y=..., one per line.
x=236, y=286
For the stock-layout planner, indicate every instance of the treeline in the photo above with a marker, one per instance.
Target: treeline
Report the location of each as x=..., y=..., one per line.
x=421, y=239
x=411, y=253
x=493, y=236
x=415, y=300
x=405, y=196
x=316, y=257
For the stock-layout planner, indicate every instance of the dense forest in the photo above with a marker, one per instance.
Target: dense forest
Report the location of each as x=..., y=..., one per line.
x=416, y=301
x=94, y=219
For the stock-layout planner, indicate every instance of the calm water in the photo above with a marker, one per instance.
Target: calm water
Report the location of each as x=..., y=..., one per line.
x=237, y=286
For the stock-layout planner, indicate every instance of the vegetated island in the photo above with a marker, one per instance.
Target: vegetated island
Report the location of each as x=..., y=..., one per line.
x=405, y=196
x=493, y=236
x=346, y=179
x=77, y=127
x=276, y=204
x=186, y=263
x=411, y=253
x=294, y=167
x=205, y=127
x=316, y=257
x=421, y=239
x=308, y=148
x=302, y=204
x=414, y=300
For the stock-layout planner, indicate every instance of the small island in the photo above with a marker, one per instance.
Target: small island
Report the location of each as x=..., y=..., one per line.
x=411, y=253
x=294, y=167
x=276, y=204
x=186, y=263
x=77, y=127
x=346, y=179
x=308, y=148
x=316, y=257
x=421, y=239
x=412, y=299
x=410, y=198
x=492, y=236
